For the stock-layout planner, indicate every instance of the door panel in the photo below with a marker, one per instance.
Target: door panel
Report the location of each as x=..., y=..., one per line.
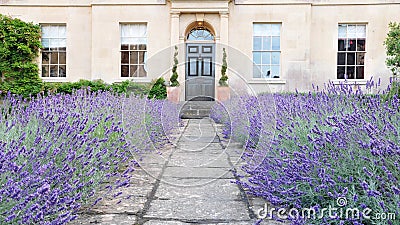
x=200, y=72
x=193, y=67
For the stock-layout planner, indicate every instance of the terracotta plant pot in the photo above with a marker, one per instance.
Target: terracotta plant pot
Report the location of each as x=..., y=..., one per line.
x=173, y=94
x=223, y=93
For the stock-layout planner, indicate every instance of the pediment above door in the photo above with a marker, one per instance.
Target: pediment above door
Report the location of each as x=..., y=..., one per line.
x=204, y=6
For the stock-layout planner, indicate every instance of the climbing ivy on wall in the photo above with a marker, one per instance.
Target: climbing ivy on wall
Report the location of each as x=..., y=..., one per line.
x=19, y=49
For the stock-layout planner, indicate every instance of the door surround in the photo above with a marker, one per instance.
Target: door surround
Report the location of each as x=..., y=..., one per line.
x=200, y=62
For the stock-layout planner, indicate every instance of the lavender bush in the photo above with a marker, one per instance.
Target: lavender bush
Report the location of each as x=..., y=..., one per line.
x=310, y=149
x=56, y=151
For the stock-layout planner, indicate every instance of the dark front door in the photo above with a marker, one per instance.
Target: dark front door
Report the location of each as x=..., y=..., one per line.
x=200, y=72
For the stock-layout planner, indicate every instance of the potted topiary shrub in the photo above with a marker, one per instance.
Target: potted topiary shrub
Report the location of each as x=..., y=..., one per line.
x=173, y=90
x=223, y=90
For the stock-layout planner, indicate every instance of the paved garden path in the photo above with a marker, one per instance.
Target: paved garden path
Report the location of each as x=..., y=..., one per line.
x=191, y=182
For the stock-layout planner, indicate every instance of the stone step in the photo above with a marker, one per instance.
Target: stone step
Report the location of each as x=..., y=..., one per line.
x=195, y=109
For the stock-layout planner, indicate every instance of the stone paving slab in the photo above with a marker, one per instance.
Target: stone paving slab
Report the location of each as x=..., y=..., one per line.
x=189, y=172
x=214, y=191
x=197, y=210
x=109, y=219
x=188, y=182
x=158, y=222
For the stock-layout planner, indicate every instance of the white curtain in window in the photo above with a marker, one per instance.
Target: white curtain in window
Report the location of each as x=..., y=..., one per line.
x=342, y=31
x=351, y=31
x=54, y=36
x=133, y=34
x=361, y=31
x=54, y=31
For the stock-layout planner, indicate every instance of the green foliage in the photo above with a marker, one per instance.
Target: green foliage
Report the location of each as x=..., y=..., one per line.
x=125, y=87
x=174, y=78
x=224, y=78
x=131, y=88
x=394, y=90
x=158, y=91
x=392, y=44
x=19, y=48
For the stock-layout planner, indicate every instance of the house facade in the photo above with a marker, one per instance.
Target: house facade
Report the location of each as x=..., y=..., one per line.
x=271, y=45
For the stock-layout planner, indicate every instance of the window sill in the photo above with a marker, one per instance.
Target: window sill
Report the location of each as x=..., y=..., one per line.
x=55, y=79
x=267, y=81
x=134, y=79
x=351, y=81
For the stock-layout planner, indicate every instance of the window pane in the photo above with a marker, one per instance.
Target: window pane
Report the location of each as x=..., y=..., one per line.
x=142, y=71
x=62, y=31
x=340, y=72
x=192, y=66
x=45, y=32
x=45, y=57
x=351, y=31
x=341, y=45
x=276, y=58
x=142, y=47
x=361, y=31
x=124, y=47
x=54, y=71
x=193, y=49
x=45, y=43
x=276, y=30
x=124, y=57
x=134, y=57
x=341, y=59
x=259, y=29
x=53, y=32
x=54, y=58
x=134, y=71
x=350, y=72
x=342, y=31
x=275, y=71
x=360, y=44
x=62, y=57
x=62, y=71
x=45, y=71
x=351, y=58
x=257, y=43
x=266, y=58
x=352, y=45
x=360, y=58
x=266, y=43
x=360, y=72
x=62, y=42
x=276, y=43
x=133, y=47
x=141, y=57
x=256, y=71
x=124, y=71
x=266, y=71
x=207, y=67
x=54, y=43
x=257, y=57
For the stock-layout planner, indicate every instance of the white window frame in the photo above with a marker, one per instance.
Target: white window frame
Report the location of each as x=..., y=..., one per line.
x=131, y=44
x=359, y=54
x=54, y=44
x=258, y=68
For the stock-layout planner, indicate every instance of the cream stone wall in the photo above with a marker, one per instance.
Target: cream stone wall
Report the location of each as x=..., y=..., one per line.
x=308, y=35
x=79, y=39
x=324, y=38
x=295, y=46
x=106, y=46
